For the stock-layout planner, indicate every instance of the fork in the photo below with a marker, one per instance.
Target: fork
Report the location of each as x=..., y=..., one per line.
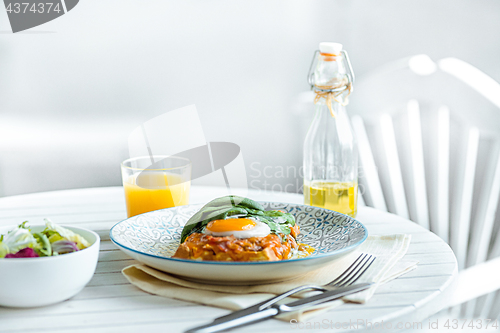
x=347, y=278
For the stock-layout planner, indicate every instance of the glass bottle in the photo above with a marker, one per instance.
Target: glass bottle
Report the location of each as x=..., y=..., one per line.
x=330, y=150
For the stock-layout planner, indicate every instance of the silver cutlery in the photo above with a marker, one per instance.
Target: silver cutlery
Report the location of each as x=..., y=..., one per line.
x=340, y=287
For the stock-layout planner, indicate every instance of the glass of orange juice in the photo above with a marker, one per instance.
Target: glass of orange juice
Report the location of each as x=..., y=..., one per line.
x=155, y=182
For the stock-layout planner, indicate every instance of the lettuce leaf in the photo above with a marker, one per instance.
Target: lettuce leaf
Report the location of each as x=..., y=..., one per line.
x=43, y=246
x=16, y=240
x=66, y=234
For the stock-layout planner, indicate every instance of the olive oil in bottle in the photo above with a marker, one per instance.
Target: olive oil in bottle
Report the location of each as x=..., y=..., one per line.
x=330, y=150
x=338, y=196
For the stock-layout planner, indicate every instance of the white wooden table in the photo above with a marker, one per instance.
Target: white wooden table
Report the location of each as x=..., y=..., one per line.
x=110, y=304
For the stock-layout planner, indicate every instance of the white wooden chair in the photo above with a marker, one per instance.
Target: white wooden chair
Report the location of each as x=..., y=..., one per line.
x=429, y=143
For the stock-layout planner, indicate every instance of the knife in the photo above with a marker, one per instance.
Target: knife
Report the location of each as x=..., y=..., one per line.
x=255, y=313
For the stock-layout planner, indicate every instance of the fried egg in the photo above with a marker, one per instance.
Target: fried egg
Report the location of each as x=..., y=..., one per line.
x=238, y=227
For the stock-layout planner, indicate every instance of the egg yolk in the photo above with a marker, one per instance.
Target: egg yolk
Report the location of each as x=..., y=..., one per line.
x=231, y=225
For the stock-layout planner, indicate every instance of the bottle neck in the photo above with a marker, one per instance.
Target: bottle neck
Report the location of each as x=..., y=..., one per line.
x=323, y=111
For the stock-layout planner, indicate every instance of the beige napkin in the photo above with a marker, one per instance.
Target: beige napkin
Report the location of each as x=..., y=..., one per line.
x=388, y=249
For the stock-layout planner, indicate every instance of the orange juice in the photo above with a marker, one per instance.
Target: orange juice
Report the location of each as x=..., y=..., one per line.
x=145, y=192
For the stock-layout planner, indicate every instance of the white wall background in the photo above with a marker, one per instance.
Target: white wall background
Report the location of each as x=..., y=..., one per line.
x=72, y=89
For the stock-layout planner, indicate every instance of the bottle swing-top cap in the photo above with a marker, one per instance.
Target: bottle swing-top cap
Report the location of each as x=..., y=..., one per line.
x=338, y=88
x=330, y=48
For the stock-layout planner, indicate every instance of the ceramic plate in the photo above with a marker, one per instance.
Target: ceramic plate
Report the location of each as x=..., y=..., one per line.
x=152, y=238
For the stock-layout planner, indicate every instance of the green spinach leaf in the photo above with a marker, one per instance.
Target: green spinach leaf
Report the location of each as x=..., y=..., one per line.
x=221, y=208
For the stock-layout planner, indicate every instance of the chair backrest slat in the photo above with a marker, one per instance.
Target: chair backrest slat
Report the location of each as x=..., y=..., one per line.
x=460, y=230
x=361, y=201
x=369, y=175
x=397, y=193
x=479, y=244
x=495, y=248
x=488, y=307
x=418, y=168
x=441, y=227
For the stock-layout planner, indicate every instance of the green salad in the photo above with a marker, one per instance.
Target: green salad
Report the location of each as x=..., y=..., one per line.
x=52, y=241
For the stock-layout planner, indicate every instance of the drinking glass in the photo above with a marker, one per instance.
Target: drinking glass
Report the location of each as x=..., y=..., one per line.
x=155, y=182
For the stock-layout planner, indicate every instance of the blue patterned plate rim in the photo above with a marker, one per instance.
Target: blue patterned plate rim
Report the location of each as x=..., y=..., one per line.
x=244, y=263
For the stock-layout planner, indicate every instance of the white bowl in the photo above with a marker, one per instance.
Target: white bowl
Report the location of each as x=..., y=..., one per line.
x=29, y=282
